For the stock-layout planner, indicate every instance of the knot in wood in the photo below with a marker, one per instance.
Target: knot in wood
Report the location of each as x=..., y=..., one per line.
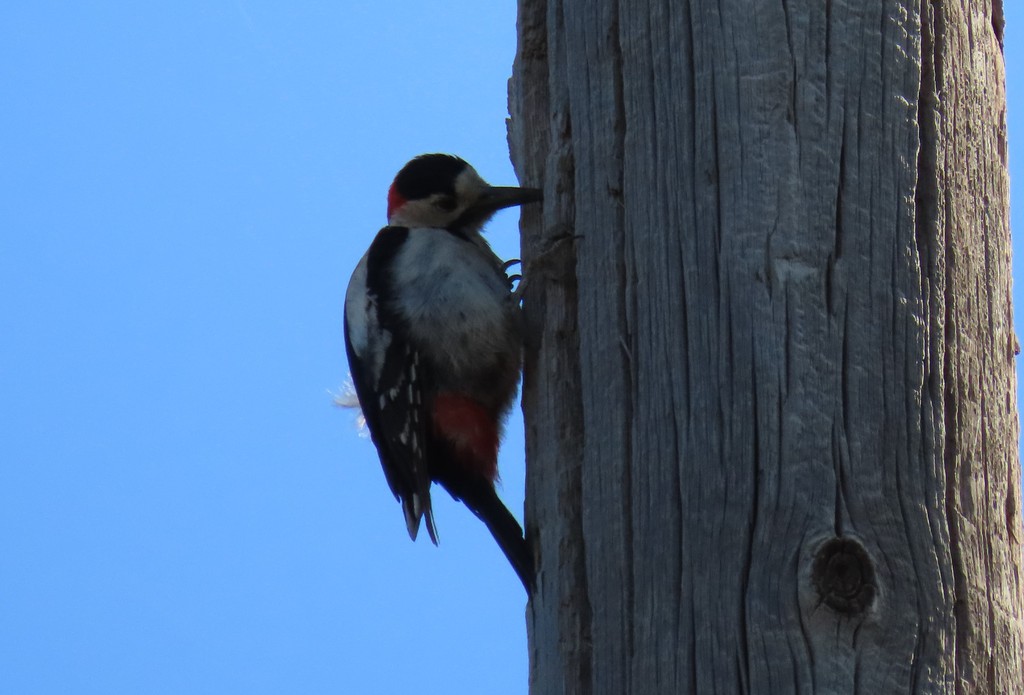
x=844, y=576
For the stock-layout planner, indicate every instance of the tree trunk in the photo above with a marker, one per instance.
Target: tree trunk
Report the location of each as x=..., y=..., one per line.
x=769, y=390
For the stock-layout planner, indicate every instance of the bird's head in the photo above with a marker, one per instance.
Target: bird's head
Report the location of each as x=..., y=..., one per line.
x=443, y=191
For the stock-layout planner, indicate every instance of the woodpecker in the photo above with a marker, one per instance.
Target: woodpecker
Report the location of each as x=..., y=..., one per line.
x=433, y=336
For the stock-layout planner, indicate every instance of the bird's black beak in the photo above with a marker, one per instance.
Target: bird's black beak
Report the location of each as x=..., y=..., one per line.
x=497, y=198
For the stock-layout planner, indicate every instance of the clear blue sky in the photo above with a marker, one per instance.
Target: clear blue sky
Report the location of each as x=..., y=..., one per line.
x=184, y=190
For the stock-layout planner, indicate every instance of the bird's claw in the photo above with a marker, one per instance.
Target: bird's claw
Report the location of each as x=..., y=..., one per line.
x=517, y=293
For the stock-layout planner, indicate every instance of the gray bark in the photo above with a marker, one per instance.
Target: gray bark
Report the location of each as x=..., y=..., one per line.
x=769, y=390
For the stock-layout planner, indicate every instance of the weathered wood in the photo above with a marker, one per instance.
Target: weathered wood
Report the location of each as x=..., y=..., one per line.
x=964, y=224
x=553, y=443
x=771, y=425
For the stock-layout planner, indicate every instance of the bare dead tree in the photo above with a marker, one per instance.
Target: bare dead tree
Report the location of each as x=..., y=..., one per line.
x=771, y=421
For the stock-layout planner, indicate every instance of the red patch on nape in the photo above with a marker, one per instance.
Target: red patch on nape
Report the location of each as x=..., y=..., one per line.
x=395, y=200
x=471, y=430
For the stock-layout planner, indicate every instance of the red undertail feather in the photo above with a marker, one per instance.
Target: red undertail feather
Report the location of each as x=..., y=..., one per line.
x=471, y=430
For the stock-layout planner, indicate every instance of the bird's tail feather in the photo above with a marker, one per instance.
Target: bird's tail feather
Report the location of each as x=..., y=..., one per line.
x=480, y=496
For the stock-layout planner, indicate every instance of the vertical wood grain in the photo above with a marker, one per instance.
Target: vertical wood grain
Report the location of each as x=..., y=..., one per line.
x=771, y=426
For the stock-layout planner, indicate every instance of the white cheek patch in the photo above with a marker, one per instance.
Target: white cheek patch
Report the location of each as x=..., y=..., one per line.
x=469, y=185
x=421, y=213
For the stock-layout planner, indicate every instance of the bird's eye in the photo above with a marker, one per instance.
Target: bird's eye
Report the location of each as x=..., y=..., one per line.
x=446, y=203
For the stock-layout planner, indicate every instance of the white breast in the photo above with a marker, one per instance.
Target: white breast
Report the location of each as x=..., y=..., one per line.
x=455, y=299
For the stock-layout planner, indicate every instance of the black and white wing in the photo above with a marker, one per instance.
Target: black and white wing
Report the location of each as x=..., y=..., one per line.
x=390, y=380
